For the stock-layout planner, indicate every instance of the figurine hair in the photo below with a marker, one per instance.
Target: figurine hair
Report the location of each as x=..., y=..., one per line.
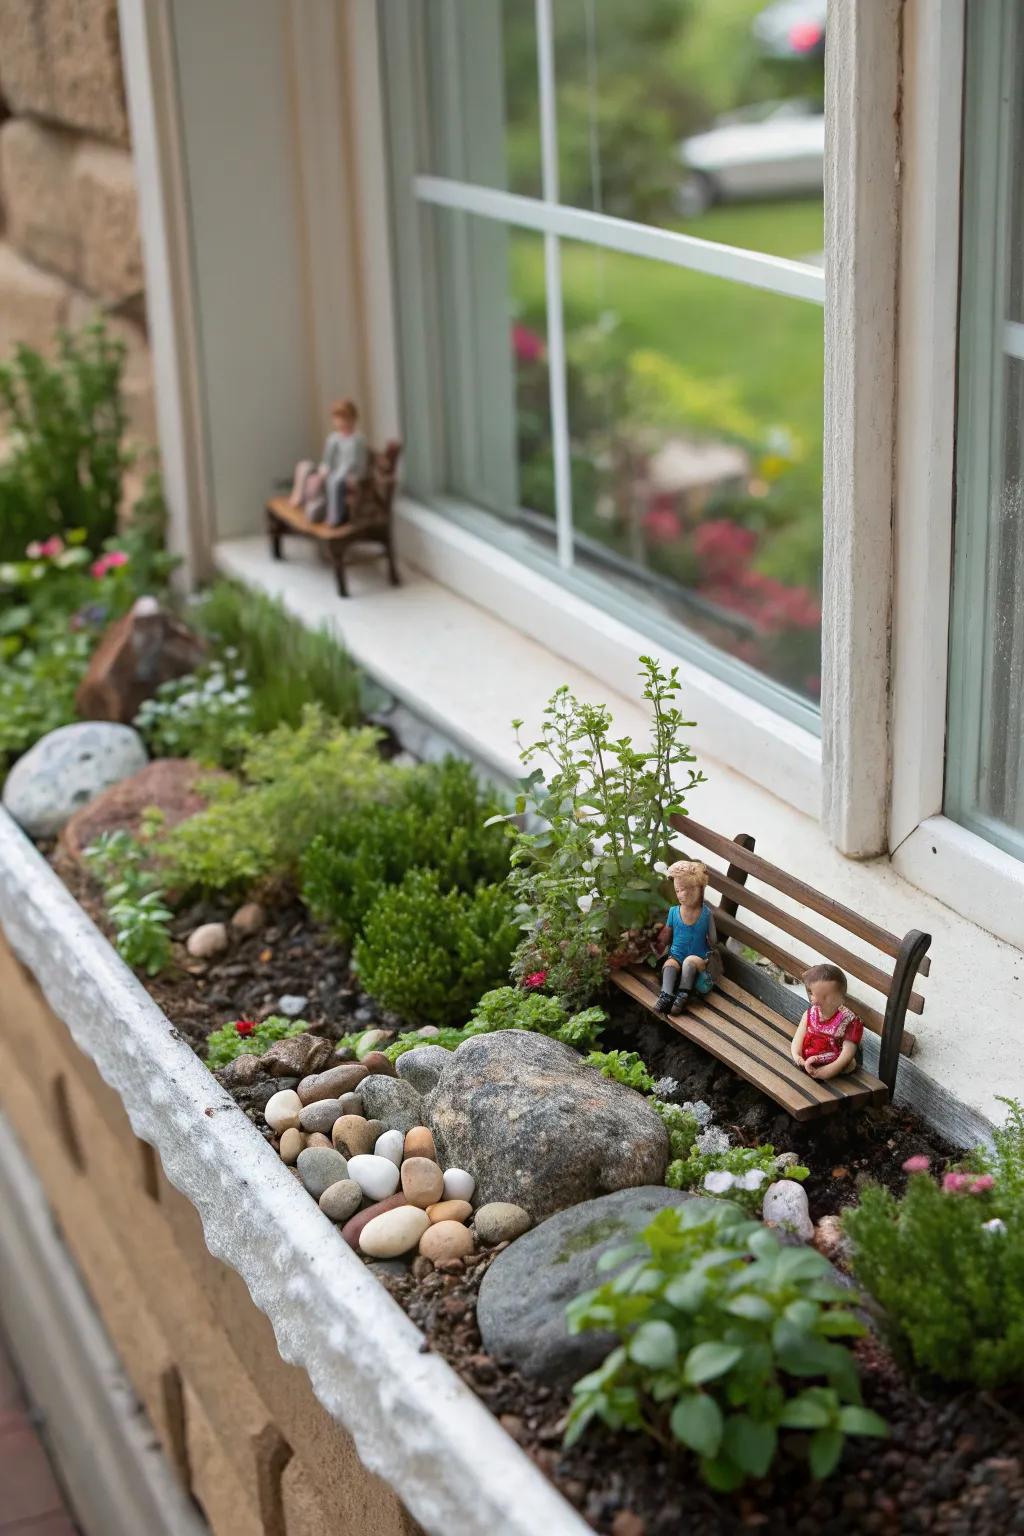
x=830, y=973
x=346, y=408
x=689, y=868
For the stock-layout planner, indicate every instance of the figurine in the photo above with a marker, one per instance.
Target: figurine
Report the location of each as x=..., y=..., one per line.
x=690, y=932
x=828, y=1035
x=320, y=489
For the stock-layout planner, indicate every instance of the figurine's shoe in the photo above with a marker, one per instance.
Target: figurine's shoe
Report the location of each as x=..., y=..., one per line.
x=680, y=1001
x=664, y=1003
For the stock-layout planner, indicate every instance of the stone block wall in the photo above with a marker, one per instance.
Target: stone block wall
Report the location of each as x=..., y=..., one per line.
x=69, y=228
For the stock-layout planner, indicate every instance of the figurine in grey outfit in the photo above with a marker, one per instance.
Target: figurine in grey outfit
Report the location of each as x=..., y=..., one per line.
x=320, y=490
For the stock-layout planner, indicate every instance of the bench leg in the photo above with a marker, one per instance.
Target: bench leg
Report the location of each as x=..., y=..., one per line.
x=274, y=531
x=392, y=566
x=338, y=557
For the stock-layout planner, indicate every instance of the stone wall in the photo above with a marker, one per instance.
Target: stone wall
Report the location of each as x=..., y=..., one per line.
x=69, y=230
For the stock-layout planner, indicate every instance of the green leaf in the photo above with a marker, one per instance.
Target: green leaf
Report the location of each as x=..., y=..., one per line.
x=687, y=1292
x=754, y=1308
x=706, y=1361
x=697, y=1421
x=861, y=1421
x=813, y=1409
x=722, y=1474
x=654, y=1345
x=824, y=1451
x=800, y=1264
x=749, y=1443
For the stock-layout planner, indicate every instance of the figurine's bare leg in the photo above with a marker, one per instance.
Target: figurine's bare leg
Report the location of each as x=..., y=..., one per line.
x=303, y=470
x=669, y=981
x=688, y=980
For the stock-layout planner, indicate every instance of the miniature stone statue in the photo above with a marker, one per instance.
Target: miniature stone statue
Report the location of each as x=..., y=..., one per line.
x=690, y=934
x=320, y=490
x=828, y=1035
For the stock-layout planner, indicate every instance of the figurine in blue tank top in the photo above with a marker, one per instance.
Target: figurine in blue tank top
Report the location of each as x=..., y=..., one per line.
x=690, y=935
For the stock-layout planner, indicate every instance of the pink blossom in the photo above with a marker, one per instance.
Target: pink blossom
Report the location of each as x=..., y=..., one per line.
x=52, y=547
x=917, y=1164
x=526, y=344
x=804, y=36
x=105, y=563
x=535, y=980
x=662, y=525
x=982, y=1184
x=956, y=1183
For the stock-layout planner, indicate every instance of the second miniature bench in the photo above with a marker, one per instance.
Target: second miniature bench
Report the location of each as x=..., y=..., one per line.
x=749, y=1019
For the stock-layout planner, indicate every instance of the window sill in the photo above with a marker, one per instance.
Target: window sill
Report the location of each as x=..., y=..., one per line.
x=985, y=884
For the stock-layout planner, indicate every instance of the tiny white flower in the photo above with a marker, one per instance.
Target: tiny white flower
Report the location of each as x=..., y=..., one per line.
x=585, y=902
x=660, y=868
x=718, y=1181
x=995, y=1225
x=753, y=1178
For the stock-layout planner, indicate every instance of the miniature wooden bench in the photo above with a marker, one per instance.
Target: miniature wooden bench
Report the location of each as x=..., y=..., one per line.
x=749, y=1019
x=368, y=506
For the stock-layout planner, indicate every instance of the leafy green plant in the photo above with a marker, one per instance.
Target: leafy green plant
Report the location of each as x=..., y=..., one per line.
x=434, y=819
x=517, y=1008
x=584, y=875
x=625, y=1067
x=682, y=1127
x=245, y=1038
x=725, y=1338
x=293, y=781
x=206, y=715
x=946, y=1263
x=429, y=953
x=741, y=1174
x=37, y=692
x=135, y=905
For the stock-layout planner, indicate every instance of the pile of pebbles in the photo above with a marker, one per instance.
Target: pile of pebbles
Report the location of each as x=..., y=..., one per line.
x=385, y=1188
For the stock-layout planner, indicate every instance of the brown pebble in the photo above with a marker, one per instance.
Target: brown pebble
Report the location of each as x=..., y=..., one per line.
x=450, y=1210
x=332, y=1083
x=422, y=1266
x=378, y=1128
x=420, y=1143
x=292, y=1143
x=352, y=1135
x=446, y=1240
x=318, y=1139
x=450, y=1266
x=352, y=1228
x=422, y=1181
x=249, y=919
x=376, y=1062
x=626, y=1523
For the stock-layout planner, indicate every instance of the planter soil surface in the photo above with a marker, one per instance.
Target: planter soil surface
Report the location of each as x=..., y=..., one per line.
x=953, y=1463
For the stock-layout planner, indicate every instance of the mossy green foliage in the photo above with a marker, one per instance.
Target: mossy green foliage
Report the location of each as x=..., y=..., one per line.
x=287, y=665
x=428, y=953
x=433, y=819
x=513, y=1008
x=946, y=1264
x=689, y=1172
x=223, y=1045
x=293, y=782
x=681, y=1125
x=625, y=1067
x=720, y=1329
x=135, y=903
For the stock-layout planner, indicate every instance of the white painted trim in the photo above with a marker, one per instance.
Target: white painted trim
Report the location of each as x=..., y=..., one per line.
x=557, y=373
x=971, y=875
x=926, y=406
x=862, y=91
x=1013, y=338
x=775, y=274
x=734, y=728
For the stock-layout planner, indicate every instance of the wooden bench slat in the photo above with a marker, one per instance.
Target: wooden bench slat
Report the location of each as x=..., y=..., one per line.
x=771, y=874
x=746, y=1018
x=732, y=989
x=325, y=532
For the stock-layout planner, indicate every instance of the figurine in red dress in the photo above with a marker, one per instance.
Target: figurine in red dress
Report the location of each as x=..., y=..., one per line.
x=827, y=1037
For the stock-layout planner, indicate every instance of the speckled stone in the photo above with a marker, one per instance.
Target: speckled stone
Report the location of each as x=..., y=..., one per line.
x=500, y=1222
x=67, y=768
x=444, y=1240
x=352, y=1135
x=332, y=1083
x=292, y=1143
x=342, y=1200
x=319, y=1168
x=321, y=1115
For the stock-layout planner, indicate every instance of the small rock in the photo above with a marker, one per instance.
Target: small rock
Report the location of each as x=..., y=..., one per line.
x=712, y=1141
x=422, y=1182
x=321, y=1115
x=207, y=940
x=240, y=1073
x=377, y=1062
x=292, y=1005
x=421, y=1267
x=445, y=1240
x=355, y=1224
x=450, y=1210
x=830, y=1239
x=626, y=1523
x=786, y=1160
x=283, y=1111
x=390, y=1145
x=368, y=1041
x=170, y=784
x=500, y=1222
x=66, y=769
x=428, y=1032
x=785, y=1205
x=419, y=1142
x=297, y=1056
x=249, y=918
x=319, y=1168
x=351, y=1104
x=391, y=1100
x=377, y=1177
x=352, y=1135
x=422, y=1066
x=318, y=1139
x=331, y=1084
x=458, y=1184
x=393, y=1232
x=292, y=1143
x=342, y=1200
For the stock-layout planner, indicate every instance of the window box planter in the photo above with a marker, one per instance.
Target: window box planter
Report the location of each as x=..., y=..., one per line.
x=331, y=1418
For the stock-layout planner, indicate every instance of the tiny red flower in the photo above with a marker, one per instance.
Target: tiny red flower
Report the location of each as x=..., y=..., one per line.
x=535, y=980
x=245, y=1026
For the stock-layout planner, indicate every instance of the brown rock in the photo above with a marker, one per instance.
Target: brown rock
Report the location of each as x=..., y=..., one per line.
x=207, y=941
x=107, y=221
x=318, y=1139
x=61, y=59
x=422, y=1183
x=444, y=1240
x=170, y=784
x=36, y=164
x=292, y=1143
x=331, y=1084
x=352, y=1228
x=420, y=1143
x=249, y=918
x=450, y=1210
x=830, y=1239
x=352, y=1135
x=240, y=1073
x=33, y=303
x=137, y=653
x=296, y=1056
x=377, y=1063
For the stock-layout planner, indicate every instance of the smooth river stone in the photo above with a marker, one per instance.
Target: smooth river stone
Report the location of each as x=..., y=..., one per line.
x=422, y=1181
x=352, y=1135
x=458, y=1184
x=292, y=1143
x=207, y=940
x=393, y=1233
x=351, y=1104
x=332, y=1083
x=321, y=1115
x=419, y=1142
x=450, y=1210
x=500, y=1222
x=377, y=1177
x=283, y=1110
x=392, y=1146
x=446, y=1240
x=342, y=1200
x=376, y=1062
x=318, y=1139
x=319, y=1168
x=352, y=1228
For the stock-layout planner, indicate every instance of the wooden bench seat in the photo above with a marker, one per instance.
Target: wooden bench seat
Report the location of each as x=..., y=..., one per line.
x=749, y=1019
x=368, y=507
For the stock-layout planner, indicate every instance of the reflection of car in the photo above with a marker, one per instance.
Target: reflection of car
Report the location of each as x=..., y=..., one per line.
x=773, y=149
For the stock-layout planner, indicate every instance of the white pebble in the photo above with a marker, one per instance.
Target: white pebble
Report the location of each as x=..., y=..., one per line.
x=785, y=1204
x=393, y=1233
x=377, y=1177
x=283, y=1110
x=458, y=1184
x=207, y=940
x=392, y=1146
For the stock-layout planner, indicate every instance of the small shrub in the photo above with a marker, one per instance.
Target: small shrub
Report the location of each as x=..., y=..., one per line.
x=946, y=1264
x=625, y=1067
x=433, y=820
x=514, y=1008
x=429, y=953
x=681, y=1125
x=741, y=1164
x=244, y=1038
x=135, y=905
x=206, y=715
x=725, y=1338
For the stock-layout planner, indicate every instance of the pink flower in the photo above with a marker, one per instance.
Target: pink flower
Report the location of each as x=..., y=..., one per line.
x=52, y=547
x=804, y=36
x=917, y=1164
x=105, y=563
x=956, y=1183
x=535, y=980
x=982, y=1184
x=662, y=525
x=526, y=344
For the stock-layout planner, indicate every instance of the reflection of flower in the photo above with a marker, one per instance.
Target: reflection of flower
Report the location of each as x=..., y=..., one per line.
x=105, y=563
x=662, y=525
x=526, y=344
x=49, y=549
x=723, y=547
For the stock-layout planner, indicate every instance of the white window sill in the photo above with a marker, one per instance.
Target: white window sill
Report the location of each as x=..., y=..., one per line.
x=463, y=669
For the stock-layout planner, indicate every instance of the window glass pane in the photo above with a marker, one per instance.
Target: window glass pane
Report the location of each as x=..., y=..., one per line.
x=696, y=115
x=695, y=411
x=985, y=768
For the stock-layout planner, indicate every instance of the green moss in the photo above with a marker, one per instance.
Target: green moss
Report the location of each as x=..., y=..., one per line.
x=589, y=1236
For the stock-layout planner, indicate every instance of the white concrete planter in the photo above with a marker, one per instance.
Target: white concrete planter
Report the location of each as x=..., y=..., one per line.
x=411, y=1418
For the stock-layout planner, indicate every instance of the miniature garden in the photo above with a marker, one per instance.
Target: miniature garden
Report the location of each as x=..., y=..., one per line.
x=691, y=1311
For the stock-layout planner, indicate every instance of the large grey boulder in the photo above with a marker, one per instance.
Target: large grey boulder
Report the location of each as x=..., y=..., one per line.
x=422, y=1066
x=537, y=1127
x=395, y=1104
x=524, y=1294
x=68, y=768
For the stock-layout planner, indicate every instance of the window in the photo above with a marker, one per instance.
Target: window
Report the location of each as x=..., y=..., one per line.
x=609, y=228
x=985, y=758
